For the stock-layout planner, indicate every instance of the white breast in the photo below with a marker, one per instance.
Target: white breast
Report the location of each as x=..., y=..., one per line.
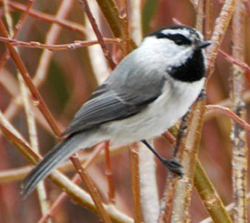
x=160, y=115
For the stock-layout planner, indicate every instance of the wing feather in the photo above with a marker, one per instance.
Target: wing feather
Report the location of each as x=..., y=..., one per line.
x=121, y=96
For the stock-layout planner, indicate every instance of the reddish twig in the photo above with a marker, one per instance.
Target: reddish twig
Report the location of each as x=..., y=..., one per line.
x=228, y=113
x=135, y=181
x=208, y=18
x=237, y=62
x=19, y=24
x=247, y=5
x=108, y=172
x=76, y=180
x=48, y=18
x=125, y=29
x=106, y=52
x=91, y=188
x=56, y=47
x=38, y=100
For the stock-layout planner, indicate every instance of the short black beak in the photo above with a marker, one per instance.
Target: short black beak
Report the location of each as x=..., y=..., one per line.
x=202, y=45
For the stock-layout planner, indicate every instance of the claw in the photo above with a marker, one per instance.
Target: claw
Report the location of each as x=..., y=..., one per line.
x=173, y=166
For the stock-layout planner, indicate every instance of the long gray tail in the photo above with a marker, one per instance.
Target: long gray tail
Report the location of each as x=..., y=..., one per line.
x=59, y=153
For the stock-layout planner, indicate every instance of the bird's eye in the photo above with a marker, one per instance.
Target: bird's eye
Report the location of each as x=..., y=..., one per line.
x=177, y=38
x=180, y=39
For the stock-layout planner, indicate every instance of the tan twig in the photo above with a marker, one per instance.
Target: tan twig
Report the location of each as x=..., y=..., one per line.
x=108, y=172
x=210, y=197
x=200, y=15
x=195, y=3
x=208, y=18
x=238, y=136
x=91, y=188
x=49, y=18
x=125, y=28
x=192, y=138
x=148, y=184
x=136, y=21
x=220, y=28
x=55, y=47
x=111, y=13
x=99, y=36
x=51, y=38
x=59, y=179
x=135, y=181
x=76, y=180
x=229, y=209
x=34, y=92
x=42, y=196
x=19, y=24
x=97, y=59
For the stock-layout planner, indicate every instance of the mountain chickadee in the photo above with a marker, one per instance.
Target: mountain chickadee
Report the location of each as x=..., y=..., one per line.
x=147, y=93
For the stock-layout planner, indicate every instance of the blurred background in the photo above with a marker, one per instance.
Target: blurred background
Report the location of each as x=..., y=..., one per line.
x=66, y=79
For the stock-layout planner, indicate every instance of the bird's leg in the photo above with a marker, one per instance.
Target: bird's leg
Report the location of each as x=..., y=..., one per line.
x=171, y=165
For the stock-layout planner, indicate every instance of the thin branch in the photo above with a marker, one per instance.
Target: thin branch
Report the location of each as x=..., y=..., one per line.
x=210, y=197
x=135, y=181
x=92, y=20
x=37, y=98
x=235, y=61
x=19, y=24
x=229, y=114
x=238, y=136
x=125, y=28
x=110, y=11
x=51, y=38
x=148, y=184
x=54, y=47
x=59, y=179
x=42, y=196
x=220, y=28
x=208, y=18
x=49, y=18
x=75, y=180
x=91, y=188
x=229, y=209
x=108, y=172
x=97, y=60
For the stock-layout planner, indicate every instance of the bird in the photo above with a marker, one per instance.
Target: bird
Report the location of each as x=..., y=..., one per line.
x=146, y=94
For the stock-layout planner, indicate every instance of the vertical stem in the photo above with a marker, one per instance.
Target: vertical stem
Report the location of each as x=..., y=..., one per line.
x=37, y=98
x=31, y=123
x=200, y=16
x=208, y=18
x=125, y=28
x=108, y=172
x=136, y=21
x=135, y=181
x=91, y=188
x=92, y=20
x=239, y=144
x=210, y=197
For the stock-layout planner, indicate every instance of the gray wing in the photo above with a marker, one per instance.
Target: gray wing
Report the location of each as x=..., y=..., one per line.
x=122, y=95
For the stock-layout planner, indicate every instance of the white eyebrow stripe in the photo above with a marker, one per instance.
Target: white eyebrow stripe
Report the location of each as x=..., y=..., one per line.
x=184, y=32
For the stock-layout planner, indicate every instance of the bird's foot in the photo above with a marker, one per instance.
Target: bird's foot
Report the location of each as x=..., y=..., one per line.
x=174, y=166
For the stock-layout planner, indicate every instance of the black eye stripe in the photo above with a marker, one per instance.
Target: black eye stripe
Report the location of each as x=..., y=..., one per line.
x=177, y=38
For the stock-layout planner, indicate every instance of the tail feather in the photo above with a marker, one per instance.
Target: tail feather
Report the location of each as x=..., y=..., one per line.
x=59, y=153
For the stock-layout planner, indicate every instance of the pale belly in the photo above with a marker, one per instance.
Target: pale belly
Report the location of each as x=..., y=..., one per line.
x=163, y=113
